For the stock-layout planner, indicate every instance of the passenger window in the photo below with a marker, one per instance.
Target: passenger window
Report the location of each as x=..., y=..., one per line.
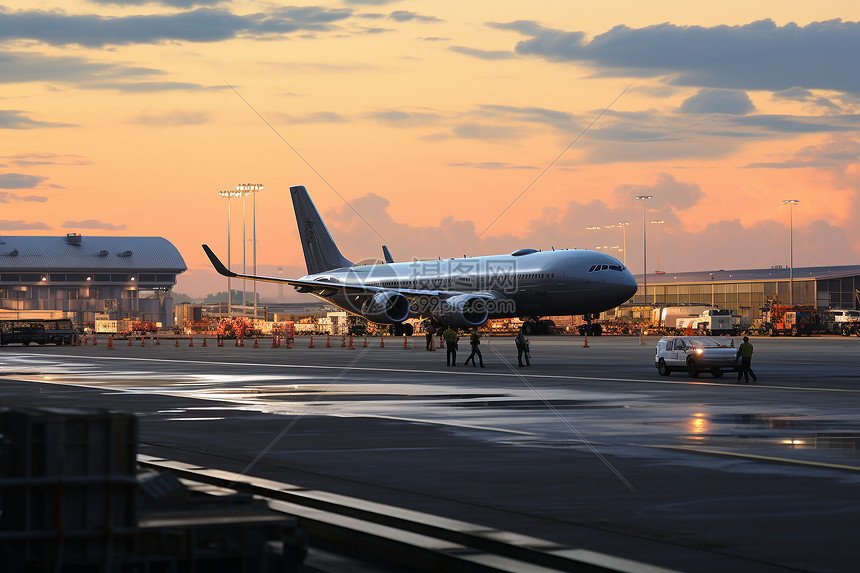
x=670, y=345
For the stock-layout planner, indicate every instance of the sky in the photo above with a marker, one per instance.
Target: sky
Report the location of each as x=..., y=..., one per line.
x=439, y=128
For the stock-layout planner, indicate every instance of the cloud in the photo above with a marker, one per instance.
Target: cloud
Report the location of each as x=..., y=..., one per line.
x=493, y=165
x=199, y=25
x=485, y=132
x=484, y=54
x=308, y=118
x=718, y=101
x=755, y=56
x=173, y=118
x=806, y=96
x=19, y=225
x=399, y=118
x=833, y=155
x=14, y=119
x=6, y=197
x=407, y=16
x=371, y=2
x=20, y=67
x=92, y=224
x=37, y=159
x=173, y=3
x=19, y=181
x=667, y=193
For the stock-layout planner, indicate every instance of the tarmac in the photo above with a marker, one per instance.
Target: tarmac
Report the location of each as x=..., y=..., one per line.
x=588, y=447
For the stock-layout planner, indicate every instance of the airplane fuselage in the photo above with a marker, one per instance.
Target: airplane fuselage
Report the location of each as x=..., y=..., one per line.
x=530, y=283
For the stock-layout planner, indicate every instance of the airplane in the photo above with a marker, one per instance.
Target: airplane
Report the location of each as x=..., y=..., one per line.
x=461, y=293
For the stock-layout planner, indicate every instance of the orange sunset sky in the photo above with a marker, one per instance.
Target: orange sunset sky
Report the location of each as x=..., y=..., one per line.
x=430, y=118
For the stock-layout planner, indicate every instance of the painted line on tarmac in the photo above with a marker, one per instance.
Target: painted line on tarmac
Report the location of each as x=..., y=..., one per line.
x=462, y=371
x=757, y=457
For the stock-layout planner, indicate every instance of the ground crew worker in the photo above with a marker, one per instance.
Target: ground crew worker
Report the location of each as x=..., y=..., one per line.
x=475, y=340
x=745, y=352
x=428, y=337
x=522, y=348
x=450, y=337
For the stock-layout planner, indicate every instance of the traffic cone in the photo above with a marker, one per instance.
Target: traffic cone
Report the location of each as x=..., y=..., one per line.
x=586, y=342
x=381, y=341
x=142, y=341
x=220, y=341
x=204, y=342
x=157, y=341
x=289, y=342
x=351, y=347
x=343, y=341
x=365, y=342
x=327, y=343
x=176, y=342
x=405, y=347
x=190, y=342
x=255, y=343
x=110, y=342
x=95, y=342
x=129, y=340
x=312, y=342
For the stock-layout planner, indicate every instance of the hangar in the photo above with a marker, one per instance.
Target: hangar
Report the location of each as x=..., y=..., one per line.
x=123, y=277
x=745, y=292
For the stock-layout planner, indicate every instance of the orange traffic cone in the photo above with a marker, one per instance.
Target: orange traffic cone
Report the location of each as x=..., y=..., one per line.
x=365, y=342
x=327, y=342
x=176, y=342
x=381, y=342
x=220, y=341
x=157, y=341
x=129, y=340
x=190, y=341
x=312, y=342
x=586, y=342
x=255, y=343
x=343, y=341
x=143, y=341
x=351, y=347
x=405, y=338
x=204, y=341
x=95, y=342
x=110, y=342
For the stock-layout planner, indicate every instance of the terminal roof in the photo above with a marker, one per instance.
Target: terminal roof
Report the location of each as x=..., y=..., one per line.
x=89, y=253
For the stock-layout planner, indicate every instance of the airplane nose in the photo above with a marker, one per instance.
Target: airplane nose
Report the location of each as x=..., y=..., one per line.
x=626, y=286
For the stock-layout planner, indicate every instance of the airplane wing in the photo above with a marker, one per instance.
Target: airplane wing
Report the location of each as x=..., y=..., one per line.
x=329, y=288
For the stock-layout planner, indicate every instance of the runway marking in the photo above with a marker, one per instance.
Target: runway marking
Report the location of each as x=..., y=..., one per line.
x=755, y=457
x=462, y=371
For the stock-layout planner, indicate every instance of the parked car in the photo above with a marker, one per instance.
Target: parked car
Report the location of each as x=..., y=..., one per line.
x=695, y=354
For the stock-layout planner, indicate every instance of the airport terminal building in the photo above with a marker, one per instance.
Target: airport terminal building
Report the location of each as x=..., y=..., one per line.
x=122, y=277
x=745, y=292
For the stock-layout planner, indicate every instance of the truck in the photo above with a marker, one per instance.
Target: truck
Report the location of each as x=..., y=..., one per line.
x=712, y=321
x=665, y=319
x=787, y=319
x=841, y=321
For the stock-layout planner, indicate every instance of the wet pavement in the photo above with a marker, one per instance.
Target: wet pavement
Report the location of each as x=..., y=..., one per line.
x=589, y=446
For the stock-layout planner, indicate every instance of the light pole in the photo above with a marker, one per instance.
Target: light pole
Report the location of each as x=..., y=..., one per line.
x=229, y=195
x=660, y=222
x=254, y=188
x=791, y=203
x=644, y=199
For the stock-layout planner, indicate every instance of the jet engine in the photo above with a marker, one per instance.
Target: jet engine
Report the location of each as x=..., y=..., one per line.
x=462, y=311
x=387, y=307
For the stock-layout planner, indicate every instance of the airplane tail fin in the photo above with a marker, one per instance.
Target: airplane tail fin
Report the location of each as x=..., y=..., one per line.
x=321, y=254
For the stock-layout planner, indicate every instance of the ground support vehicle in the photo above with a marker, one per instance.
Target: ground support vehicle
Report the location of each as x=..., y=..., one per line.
x=48, y=331
x=786, y=319
x=712, y=321
x=844, y=322
x=695, y=354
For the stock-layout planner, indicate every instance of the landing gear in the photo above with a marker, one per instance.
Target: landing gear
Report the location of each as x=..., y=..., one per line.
x=401, y=329
x=536, y=326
